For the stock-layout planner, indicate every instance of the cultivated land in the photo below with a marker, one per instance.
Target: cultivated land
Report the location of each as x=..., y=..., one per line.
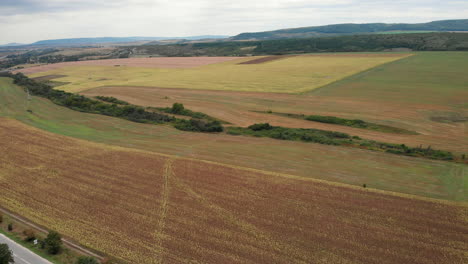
x=288, y=75
x=423, y=177
x=410, y=93
x=166, y=209
x=154, y=194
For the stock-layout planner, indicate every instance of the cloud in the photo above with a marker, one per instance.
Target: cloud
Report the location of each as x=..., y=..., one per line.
x=31, y=20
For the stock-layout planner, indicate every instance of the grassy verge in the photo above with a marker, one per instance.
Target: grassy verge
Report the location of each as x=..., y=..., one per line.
x=339, y=139
x=356, y=123
x=66, y=256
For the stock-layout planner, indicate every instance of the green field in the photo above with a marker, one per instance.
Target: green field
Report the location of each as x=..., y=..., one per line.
x=427, y=178
x=289, y=75
x=427, y=78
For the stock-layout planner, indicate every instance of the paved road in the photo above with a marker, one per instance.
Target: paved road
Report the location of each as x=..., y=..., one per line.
x=21, y=254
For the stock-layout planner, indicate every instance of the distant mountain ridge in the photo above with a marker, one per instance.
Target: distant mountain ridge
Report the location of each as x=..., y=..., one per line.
x=348, y=29
x=84, y=41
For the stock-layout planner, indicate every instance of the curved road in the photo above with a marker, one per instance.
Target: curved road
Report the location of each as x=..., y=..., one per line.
x=21, y=254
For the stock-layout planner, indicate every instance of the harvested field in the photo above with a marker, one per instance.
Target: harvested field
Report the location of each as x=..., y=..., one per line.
x=443, y=180
x=264, y=59
x=236, y=108
x=289, y=75
x=163, y=62
x=165, y=209
x=48, y=77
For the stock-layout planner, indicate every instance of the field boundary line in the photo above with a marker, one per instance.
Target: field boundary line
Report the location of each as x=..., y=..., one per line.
x=357, y=73
x=69, y=243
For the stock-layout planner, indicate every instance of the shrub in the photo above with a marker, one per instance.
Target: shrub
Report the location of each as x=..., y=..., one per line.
x=53, y=243
x=1, y=218
x=177, y=108
x=197, y=125
x=86, y=260
x=10, y=227
x=30, y=235
x=262, y=126
x=6, y=256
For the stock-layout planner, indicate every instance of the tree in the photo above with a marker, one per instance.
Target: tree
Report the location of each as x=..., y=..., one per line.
x=10, y=227
x=177, y=108
x=1, y=218
x=53, y=242
x=86, y=260
x=6, y=256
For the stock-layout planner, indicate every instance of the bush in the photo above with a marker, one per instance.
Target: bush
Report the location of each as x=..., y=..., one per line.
x=177, y=108
x=197, y=125
x=53, y=243
x=6, y=256
x=1, y=218
x=259, y=127
x=10, y=227
x=30, y=235
x=86, y=260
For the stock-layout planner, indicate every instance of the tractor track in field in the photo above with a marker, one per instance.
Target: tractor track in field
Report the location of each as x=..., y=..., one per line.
x=159, y=234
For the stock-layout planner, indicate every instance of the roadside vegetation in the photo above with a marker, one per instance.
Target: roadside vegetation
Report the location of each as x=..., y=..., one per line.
x=357, y=123
x=48, y=246
x=338, y=139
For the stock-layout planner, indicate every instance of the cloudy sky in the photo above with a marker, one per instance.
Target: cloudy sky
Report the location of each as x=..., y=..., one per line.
x=26, y=21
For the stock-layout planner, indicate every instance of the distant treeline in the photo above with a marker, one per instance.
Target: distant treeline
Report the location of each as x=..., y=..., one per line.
x=353, y=43
x=337, y=139
x=129, y=112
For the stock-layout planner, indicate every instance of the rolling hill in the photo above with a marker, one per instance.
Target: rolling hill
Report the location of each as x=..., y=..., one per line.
x=347, y=29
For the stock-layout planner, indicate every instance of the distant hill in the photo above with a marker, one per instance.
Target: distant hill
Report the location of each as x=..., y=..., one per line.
x=88, y=41
x=349, y=29
x=11, y=44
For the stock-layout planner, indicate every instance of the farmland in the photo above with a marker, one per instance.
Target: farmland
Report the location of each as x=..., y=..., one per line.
x=146, y=193
x=379, y=170
x=415, y=91
x=287, y=75
x=168, y=209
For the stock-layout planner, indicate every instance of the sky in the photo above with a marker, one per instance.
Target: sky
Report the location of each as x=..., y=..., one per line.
x=26, y=21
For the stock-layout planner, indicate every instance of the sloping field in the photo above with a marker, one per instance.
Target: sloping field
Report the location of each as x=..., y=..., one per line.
x=288, y=75
x=423, y=177
x=236, y=108
x=146, y=208
x=163, y=62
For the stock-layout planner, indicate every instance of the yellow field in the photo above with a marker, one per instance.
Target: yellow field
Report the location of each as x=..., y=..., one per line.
x=290, y=75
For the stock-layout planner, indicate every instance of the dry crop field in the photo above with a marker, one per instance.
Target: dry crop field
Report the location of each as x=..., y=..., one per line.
x=167, y=209
x=287, y=75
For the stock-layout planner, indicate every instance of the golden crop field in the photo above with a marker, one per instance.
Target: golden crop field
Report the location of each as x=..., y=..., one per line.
x=288, y=75
x=143, y=207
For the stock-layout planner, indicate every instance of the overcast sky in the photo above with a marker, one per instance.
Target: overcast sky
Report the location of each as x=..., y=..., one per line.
x=26, y=21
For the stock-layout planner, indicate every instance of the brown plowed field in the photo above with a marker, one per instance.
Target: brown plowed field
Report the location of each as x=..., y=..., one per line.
x=236, y=108
x=148, y=208
x=265, y=59
x=163, y=62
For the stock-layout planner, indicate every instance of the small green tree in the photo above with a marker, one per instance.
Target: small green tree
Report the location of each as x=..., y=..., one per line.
x=177, y=108
x=86, y=260
x=53, y=243
x=10, y=227
x=6, y=256
x=1, y=218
